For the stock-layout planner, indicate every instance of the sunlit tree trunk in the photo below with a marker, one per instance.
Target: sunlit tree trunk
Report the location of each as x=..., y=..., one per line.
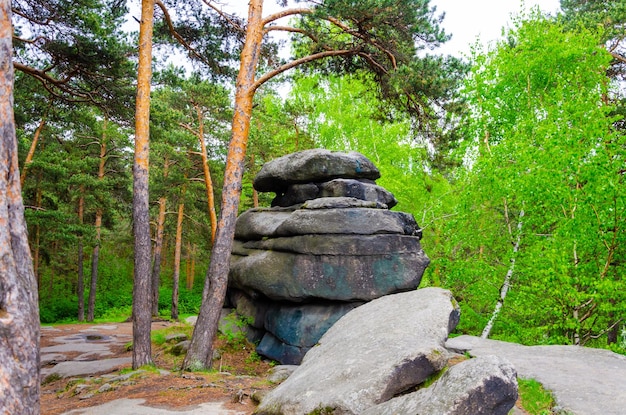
x=19, y=310
x=142, y=296
x=207, y=174
x=31, y=150
x=201, y=347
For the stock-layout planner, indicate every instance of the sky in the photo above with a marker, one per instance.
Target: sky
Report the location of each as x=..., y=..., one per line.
x=468, y=20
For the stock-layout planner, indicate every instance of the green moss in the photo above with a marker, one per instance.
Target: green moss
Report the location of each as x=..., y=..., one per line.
x=535, y=399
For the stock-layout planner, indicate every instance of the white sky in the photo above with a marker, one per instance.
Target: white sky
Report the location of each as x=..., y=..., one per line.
x=469, y=20
x=466, y=20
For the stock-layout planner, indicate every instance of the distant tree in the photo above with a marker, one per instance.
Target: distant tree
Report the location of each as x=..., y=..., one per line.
x=76, y=50
x=19, y=310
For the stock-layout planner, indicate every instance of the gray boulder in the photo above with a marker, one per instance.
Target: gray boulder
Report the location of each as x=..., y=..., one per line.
x=303, y=325
x=347, y=221
x=317, y=165
x=296, y=193
x=296, y=278
x=273, y=348
x=333, y=245
x=583, y=380
x=358, y=189
x=259, y=223
x=373, y=353
x=481, y=386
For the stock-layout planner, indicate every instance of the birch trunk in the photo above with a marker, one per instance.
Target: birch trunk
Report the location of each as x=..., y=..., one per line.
x=507, y=281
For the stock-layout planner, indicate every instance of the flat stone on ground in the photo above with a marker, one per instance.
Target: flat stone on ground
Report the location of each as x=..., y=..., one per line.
x=584, y=381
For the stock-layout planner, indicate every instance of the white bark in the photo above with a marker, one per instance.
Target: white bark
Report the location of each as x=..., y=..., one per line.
x=507, y=281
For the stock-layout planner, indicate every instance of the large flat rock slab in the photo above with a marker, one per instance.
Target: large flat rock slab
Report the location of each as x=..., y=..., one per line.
x=584, y=381
x=76, y=368
x=297, y=277
x=138, y=407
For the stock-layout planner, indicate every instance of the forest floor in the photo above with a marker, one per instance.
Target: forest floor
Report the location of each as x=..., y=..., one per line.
x=238, y=376
x=238, y=379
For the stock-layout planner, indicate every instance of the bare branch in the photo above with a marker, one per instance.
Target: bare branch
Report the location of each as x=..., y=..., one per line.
x=306, y=59
x=285, y=13
x=174, y=33
x=225, y=16
x=372, y=42
x=292, y=30
x=618, y=57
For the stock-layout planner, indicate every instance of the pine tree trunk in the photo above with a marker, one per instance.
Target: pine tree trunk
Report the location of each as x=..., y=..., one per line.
x=19, y=309
x=177, y=252
x=158, y=247
x=31, y=150
x=201, y=347
x=36, y=249
x=142, y=296
x=95, y=258
x=208, y=181
x=81, y=257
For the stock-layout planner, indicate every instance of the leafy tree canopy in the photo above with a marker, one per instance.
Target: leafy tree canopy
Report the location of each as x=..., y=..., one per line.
x=76, y=50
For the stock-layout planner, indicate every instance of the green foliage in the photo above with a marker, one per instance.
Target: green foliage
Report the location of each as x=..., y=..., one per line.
x=233, y=330
x=386, y=39
x=535, y=399
x=540, y=142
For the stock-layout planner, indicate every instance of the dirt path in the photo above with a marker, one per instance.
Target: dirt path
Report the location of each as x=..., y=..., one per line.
x=86, y=366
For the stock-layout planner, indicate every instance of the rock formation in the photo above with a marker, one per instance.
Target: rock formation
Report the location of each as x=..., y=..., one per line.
x=373, y=359
x=328, y=244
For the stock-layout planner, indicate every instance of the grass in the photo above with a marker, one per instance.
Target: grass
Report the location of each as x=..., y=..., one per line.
x=535, y=399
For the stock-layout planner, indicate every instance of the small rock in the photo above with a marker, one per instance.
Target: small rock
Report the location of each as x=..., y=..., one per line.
x=180, y=348
x=105, y=388
x=280, y=373
x=176, y=338
x=86, y=396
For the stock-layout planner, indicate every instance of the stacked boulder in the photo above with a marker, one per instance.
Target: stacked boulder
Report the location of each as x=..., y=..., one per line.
x=328, y=244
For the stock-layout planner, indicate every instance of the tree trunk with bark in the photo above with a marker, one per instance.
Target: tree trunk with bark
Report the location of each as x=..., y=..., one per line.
x=177, y=253
x=158, y=247
x=95, y=256
x=31, y=150
x=81, y=259
x=191, y=264
x=142, y=295
x=208, y=181
x=507, y=279
x=200, y=351
x=19, y=309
